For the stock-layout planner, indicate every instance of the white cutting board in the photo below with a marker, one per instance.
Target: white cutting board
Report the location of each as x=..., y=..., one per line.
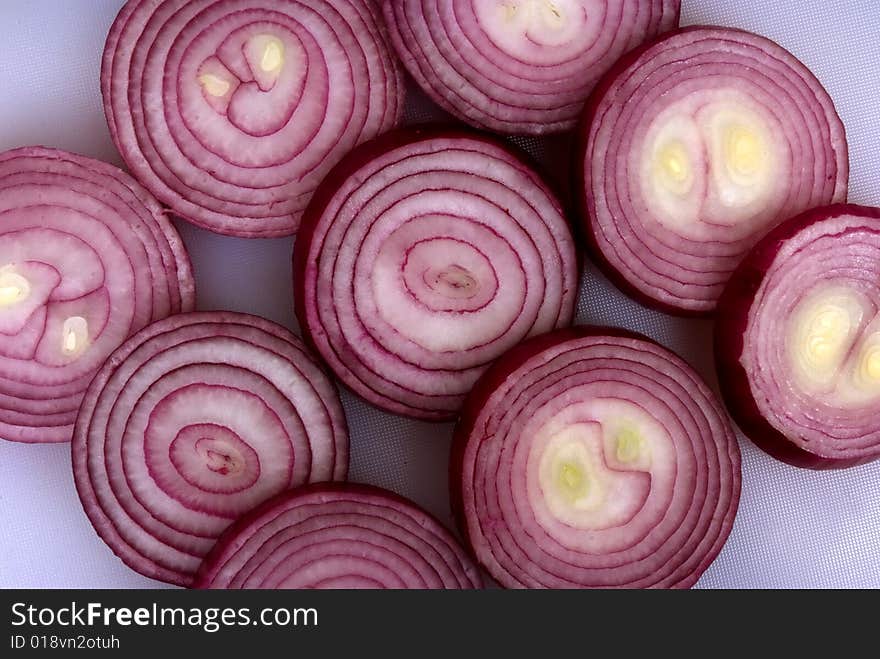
x=794, y=528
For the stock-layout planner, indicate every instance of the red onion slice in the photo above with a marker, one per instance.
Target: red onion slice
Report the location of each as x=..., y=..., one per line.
x=519, y=66
x=594, y=458
x=193, y=422
x=423, y=257
x=798, y=339
x=87, y=258
x=232, y=111
x=695, y=147
x=338, y=536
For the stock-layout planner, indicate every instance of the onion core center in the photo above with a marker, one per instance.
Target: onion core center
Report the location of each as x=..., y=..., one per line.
x=219, y=457
x=703, y=160
x=214, y=458
x=832, y=349
x=515, y=24
x=13, y=287
x=258, y=98
x=586, y=456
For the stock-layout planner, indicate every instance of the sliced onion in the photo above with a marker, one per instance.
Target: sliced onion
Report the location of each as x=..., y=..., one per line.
x=193, y=422
x=425, y=256
x=798, y=339
x=594, y=458
x=87, y=258
x=338, y=536
x=232, y=111
x=695, y=147
x=519, y=66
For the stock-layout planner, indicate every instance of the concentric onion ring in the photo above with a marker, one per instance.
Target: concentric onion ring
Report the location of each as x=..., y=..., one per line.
x=594, y=458
x=192, y=423
x=87, y=258
x=695, y=147
x=519, y=66
x=338, y=536
x=798, y=339
x=423, y=257
x=232, y=111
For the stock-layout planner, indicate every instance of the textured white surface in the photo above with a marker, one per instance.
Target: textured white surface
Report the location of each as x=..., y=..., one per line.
x=794, y=529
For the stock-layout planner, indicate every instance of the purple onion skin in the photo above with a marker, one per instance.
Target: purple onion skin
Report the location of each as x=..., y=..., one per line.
x=214, y=559
x=580, y=178
x=357, y=159
x=493, y=378
x=730, y=329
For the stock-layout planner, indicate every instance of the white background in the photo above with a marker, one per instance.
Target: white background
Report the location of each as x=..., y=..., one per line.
x=794, y=528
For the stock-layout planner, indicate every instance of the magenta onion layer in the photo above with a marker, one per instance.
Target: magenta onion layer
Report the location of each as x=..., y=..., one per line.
x=594, y=458
x=423, y=257
x=692, y=149
x=193, y=422
x=798, y=339
x=338, y=536
x=87, y=258
x=519, y=66
x=232, y=111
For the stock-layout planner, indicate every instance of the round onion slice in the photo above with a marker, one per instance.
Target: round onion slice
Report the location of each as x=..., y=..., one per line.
x=798, y=339
x=338, y=536
x=87, y=258
x=594, y=458
x=232, y=111
x=193, y=422
x=692, y=149
x=425, y=256
x=519, y=66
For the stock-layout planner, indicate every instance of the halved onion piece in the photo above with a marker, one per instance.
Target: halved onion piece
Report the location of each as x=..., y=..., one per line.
x=232, y=111
x=594, y=458
x=423, y=257
x=692, y=149
x=797, y=339
x=87, y=258
x=519, y=66
x=193, y=422
x=338, y=536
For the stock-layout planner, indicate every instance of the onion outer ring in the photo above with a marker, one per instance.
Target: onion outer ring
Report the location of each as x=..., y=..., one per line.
x=348, y=168
x=580, y=174
x=730, y=331
x=501, y=371
x=235, y=538
x=139, y=230
x=117, y=532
